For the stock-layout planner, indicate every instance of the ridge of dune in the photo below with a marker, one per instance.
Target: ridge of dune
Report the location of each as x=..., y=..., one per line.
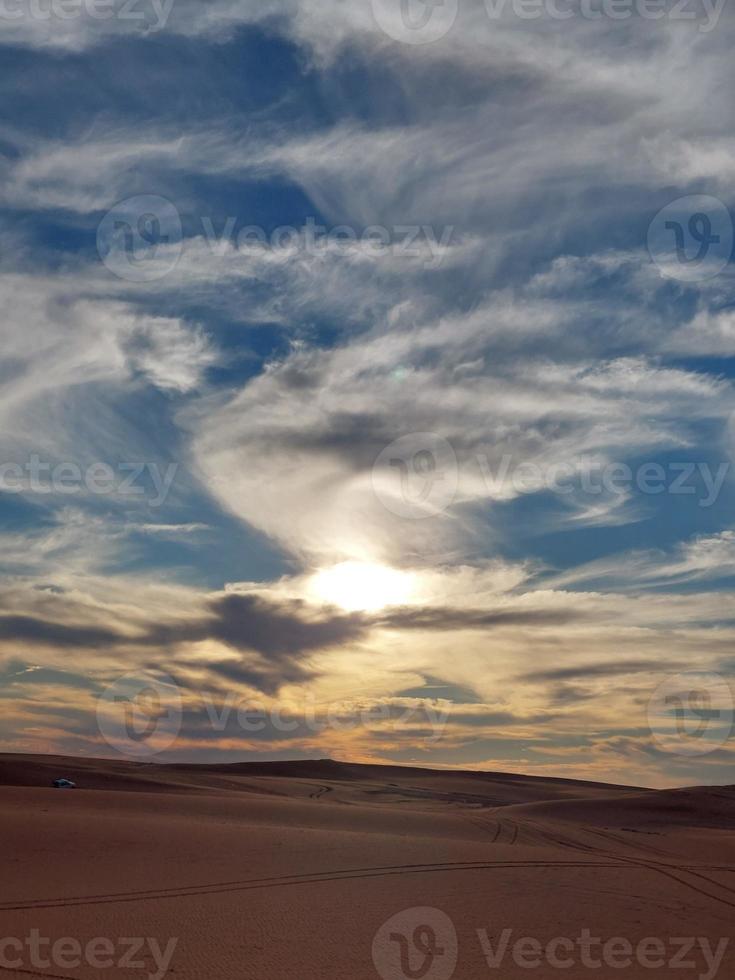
x=695, y=806
x=469, y=786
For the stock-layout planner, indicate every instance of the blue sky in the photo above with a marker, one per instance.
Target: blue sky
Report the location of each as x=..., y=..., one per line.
x=345, y=370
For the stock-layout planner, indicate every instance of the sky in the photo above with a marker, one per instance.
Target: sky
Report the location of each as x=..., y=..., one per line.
x=368, y=383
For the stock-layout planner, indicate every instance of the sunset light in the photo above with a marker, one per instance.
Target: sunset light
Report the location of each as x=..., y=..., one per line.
x=363, y=587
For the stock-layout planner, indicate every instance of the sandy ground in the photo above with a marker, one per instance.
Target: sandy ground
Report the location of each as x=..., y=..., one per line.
x=293, y=871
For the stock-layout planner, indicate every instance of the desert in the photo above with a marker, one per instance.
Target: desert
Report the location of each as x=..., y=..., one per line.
x=326, y=869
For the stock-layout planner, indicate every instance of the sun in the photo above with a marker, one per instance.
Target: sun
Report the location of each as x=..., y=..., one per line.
x=358, y=586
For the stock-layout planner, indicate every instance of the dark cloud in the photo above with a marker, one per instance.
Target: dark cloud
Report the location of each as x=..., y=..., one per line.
x=564, y=694
x=265, y=675
x=272, y=628
x=279, y=633
x=30, y=629
x=275, y=637
x=434, y=688
x=245, y=722
x=477, y=619
x=249, y=622
x=582, y=671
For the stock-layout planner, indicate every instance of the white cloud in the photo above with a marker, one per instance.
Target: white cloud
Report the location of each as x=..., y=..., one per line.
x=293, y=452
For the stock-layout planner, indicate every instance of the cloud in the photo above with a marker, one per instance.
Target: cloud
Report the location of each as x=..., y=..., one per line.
x=249, y=621
x=174, y=530
x=311, y=427
x=173, y=356
x=275, y=638
x=708, y=333
x=26, y=630
x=584, y=671
x=529, y=329
x=476, y=619
x=703, y=557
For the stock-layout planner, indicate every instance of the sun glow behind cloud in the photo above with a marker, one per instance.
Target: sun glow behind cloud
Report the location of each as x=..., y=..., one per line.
x=362, y=586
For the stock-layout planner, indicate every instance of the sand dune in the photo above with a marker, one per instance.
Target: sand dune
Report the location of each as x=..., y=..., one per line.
x=292, y=870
